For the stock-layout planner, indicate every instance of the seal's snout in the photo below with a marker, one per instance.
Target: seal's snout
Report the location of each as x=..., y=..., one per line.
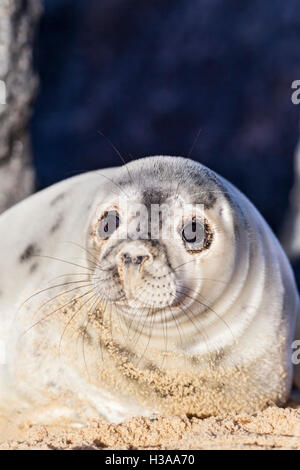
x=131, y=262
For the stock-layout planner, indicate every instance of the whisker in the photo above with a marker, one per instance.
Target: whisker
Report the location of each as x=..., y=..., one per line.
x=194, y=142
x=112, y=181
x=149, y=338
x=207, y=279
x=83, y=248
x=94, y=260
x=70, y=320
x=118, y=153
x=145, y=308
x=177, y=324
x=92, y=263
x=183, y=264
x=100, y=343
x=70, y=274
x=178, y=329
x=84, y=335
x=201, y=332
x=63, y=261
x=209, y=308
x=55, y=311
x=49, y=288
x=165, y=333
x=138, y=309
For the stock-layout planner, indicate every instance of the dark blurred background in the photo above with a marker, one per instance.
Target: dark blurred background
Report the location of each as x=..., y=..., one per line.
x=151, y=74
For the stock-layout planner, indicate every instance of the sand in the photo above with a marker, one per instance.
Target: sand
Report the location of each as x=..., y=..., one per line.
x=273, y=428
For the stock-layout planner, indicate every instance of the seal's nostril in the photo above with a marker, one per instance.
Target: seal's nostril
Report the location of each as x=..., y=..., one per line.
x=126, y=258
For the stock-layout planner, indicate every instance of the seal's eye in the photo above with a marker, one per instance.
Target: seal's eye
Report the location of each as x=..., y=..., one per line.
x=197, y=235
x=108, y=224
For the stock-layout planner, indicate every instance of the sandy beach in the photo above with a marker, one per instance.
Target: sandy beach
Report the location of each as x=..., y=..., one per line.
x=273, y=428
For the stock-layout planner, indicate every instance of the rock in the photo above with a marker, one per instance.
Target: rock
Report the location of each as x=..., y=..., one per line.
x=18, y=19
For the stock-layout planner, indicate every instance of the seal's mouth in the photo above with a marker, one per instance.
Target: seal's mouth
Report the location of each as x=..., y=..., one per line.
x=135, y=303
x=138, y=289
x=150, y=299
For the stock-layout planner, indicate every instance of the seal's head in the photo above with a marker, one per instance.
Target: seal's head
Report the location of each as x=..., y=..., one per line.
x=163, y=241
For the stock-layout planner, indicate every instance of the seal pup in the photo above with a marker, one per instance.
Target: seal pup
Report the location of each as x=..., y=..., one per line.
x=109, y=307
